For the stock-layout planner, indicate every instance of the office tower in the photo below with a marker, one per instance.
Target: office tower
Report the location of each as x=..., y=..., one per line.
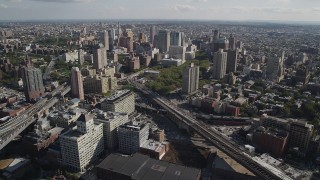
x=132, y=135
x=232, y=42
x=275, y=70
x=177, y=52
x=153, y=32
x=190, y=79
x=82, y=144
x=216, y=34
x=221, y=43
x=84, y=30
x=32, y=82
x=76, y=83
x=122, y=101
x=300, y=134
x=80, y=56
x=219, y=64
x=111, y=121
x=163, y=41
x=105, y=40
x=232, y=60
x=99, y=58
x=176, y=39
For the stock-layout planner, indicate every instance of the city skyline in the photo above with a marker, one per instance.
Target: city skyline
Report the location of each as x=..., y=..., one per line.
x=280, y=10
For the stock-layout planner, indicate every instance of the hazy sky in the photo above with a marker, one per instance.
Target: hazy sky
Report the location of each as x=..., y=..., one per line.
x=294, y=10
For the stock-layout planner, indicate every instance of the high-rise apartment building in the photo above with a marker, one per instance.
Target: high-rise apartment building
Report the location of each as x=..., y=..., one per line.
x=163, y=41
x=300, y=134
x=232, y=60
x=275, y=69
x=82, y=144
x=99, y=84
x=219, y=64
x=132, y=135
x=111, y=121
x=177, y=52
x=105, y=40
x=32, y=82
x=122, y=101
x=99, y=58
x=190, y=79
x=76, y=84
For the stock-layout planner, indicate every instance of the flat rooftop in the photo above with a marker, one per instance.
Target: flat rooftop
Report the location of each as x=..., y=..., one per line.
x=142, y=167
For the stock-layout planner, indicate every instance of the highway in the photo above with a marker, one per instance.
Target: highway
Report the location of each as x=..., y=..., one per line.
x=14, y=126
x=213, y=136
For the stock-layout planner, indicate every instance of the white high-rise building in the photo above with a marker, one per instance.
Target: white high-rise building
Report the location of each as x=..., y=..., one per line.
x=82, y=144
x=105, y=40
x=190, y=79
x=111, y=121
x=99, y=58
x=122, y=101
x=219, y=64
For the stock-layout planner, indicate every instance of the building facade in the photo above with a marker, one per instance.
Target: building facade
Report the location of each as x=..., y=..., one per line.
x=132, y=135
x=76, y=84
x=219, y=64
x=81, y=145
x=163, y=41
x=190, y=79
x=32, y=83
x=122, y=101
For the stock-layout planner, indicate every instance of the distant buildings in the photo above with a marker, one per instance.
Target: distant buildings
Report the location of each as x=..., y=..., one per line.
x=219, y=64
x=132, y=135
x=163, y=41
x=32, y=83
x=190, y=79
x=81, y=145
x=76, y=84
x=122, y=101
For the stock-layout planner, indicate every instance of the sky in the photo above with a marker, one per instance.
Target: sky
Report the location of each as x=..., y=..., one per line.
x=281, y=10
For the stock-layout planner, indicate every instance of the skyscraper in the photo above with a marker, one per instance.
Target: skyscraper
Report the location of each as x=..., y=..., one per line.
x=163, y=40
x=216, y=34
x=176, y=39
x=190, y=79
x=232, y=60
x=32, y=82
x=99, y=58
x=76, y=83
x=232, y=42
x=105, y=40
x=111, y=34
x=221, y=43
x=219, y=64
x=152, y=34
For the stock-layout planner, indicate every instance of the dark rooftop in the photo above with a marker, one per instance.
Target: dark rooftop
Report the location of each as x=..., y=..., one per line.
x=142, y=167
